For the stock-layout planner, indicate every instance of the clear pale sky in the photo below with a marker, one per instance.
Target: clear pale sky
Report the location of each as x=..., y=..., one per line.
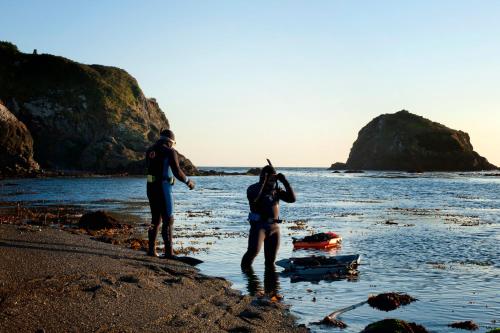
x=290, y=80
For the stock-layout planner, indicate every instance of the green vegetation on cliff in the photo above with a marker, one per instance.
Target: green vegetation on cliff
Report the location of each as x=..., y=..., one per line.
x=81, y=117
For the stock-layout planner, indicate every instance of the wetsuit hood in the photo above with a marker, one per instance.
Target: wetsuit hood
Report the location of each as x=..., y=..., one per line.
x=167, y=135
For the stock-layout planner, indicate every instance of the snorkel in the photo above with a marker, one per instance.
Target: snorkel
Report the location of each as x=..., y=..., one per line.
x=275, y=174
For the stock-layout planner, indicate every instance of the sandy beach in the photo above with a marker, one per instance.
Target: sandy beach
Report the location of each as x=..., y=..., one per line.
x=54, y=281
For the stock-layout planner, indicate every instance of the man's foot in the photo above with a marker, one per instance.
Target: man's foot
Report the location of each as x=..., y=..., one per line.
x=153, y=254
x=152, y=233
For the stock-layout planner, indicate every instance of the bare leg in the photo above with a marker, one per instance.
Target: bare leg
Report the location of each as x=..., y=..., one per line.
x=152, y=234
x=255, y=239
x=271, y=245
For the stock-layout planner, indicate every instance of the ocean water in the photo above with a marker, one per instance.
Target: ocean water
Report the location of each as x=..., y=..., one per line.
x=441, y=245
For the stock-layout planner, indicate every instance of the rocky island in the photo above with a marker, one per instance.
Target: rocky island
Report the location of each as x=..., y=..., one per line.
x=408, y=142
x=58, y=114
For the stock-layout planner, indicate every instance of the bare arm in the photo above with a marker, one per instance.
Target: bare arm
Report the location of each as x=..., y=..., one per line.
x=288, y=195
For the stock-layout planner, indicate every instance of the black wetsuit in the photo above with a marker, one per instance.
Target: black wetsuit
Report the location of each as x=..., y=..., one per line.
x=264, y=219
x=162, y=165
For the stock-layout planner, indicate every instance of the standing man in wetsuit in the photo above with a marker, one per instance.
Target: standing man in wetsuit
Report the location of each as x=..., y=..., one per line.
x=264, y=198
x=162, y=163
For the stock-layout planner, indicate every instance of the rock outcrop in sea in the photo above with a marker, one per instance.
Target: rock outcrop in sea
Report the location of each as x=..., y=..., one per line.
x=81, y=117
x=408, y=142
x=16, y=145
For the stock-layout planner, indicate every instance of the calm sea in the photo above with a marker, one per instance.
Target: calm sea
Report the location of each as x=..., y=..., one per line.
x=441, y=244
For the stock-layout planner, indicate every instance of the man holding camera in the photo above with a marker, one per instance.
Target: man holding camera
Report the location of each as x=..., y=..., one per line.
x=264, y=198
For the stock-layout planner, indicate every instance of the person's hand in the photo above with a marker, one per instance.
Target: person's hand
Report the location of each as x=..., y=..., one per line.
x=190, y=184
x=281, y=177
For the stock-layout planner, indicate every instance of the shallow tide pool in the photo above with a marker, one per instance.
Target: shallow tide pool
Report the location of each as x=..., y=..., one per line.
x=441, y=244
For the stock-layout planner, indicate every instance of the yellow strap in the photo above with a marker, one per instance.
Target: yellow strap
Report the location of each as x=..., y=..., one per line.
x=152, y=179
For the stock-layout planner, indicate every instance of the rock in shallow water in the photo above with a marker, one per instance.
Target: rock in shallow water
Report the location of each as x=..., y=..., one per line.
x=394, y=326
x=466, y=325
x=405, y=141
x=389, y=301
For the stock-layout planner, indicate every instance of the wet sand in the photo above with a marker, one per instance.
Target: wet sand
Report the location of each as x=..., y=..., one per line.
x=56, y=281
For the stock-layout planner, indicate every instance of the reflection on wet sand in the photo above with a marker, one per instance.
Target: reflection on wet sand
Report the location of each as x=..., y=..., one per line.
x=271, y=281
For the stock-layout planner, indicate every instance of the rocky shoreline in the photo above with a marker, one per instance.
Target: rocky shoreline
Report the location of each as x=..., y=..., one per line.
x=93, y=120
x=82, y=173
x=53, y=280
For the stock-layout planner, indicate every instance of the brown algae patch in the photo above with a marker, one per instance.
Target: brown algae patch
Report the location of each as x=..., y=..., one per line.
x=347, y=214
x=201, y=213
x=20, y=213
x=327, y=321
x=462, y=220
x=298, y=225
x=360, y=201
x=188, y=250
x=437, y=265
x=476, y=262
x=115, y=228
x=418, y=211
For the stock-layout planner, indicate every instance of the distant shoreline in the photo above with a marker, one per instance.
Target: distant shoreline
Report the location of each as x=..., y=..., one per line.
x=216, y=171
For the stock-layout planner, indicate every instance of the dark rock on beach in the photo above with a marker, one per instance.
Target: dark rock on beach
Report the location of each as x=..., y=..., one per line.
x=81, y=117
x=16, y=145
x=405, y=141
x=98, y=220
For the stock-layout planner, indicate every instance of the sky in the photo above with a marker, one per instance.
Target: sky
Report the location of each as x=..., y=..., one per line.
x=293, y=81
